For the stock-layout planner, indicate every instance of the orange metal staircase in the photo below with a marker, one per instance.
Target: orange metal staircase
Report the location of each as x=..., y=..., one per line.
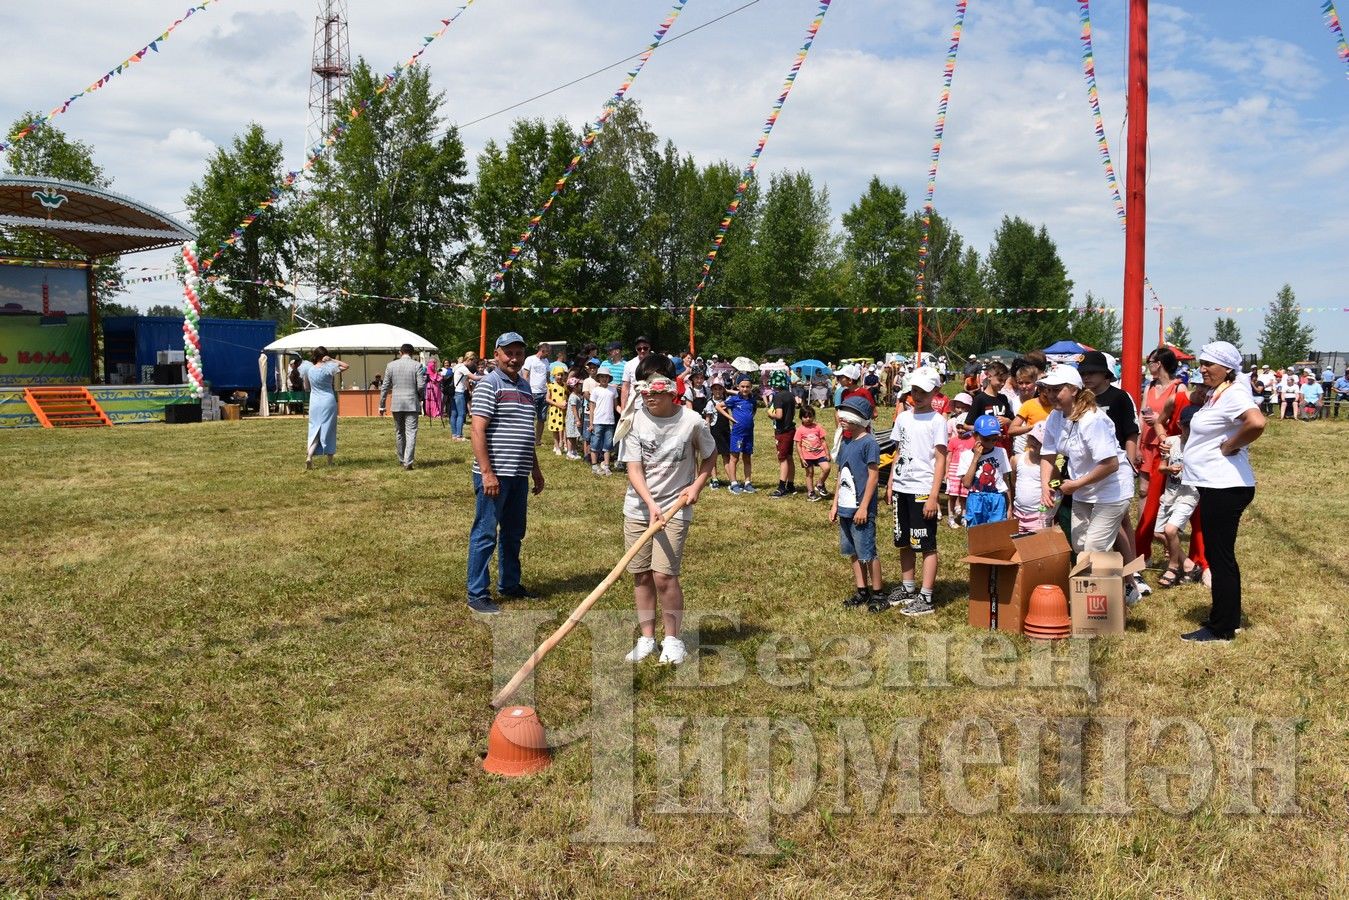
x=65, y=407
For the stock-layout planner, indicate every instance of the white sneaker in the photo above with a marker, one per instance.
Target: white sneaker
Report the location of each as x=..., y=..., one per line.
x=645, y=647
x=1144, y=589
x=1131, y=593
x=595, y=468
x=673, y=651
x=605, y=470
x=557, y=451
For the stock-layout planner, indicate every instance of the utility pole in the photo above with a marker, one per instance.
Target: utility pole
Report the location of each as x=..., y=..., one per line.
x=1135, y=225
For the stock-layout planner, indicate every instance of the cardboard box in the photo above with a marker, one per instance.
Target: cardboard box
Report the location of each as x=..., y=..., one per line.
x=1005, y=568
x=1096, y=598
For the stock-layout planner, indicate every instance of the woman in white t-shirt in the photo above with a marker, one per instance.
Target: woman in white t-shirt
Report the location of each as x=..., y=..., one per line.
x=463, y=375
x=1219, y=465
x=1100, y=479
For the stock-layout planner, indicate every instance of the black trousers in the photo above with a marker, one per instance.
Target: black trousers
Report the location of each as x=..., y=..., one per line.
x=1220, y=512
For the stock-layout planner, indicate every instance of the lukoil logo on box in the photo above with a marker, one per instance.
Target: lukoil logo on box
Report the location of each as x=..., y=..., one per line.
x=1097, y=604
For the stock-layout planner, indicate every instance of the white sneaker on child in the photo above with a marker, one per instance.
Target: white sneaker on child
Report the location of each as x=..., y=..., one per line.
x=672, y=651
x=645, y=647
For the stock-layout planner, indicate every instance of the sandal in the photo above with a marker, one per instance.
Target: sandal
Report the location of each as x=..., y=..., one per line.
x=1194, y=576
x=1170, y=578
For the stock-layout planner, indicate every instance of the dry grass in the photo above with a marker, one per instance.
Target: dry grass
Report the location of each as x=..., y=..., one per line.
x=221, y=675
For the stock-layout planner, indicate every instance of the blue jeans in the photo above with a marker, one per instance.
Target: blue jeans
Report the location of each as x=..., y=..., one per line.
x=458, y=411
x=857, y=540
x=506, y=511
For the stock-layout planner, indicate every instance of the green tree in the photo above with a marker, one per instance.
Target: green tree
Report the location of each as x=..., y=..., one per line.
x=1096, y=326
x=1178, y=333
x=794, y=253
x=48, y=153
x=1225, y=329
x=390, y=209
x=236, y=180
x=1284, y=339
x=880, y=248
x=1023, y=271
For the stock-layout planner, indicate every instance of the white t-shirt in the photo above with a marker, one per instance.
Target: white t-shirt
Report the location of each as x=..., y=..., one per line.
x=587, y=386
x=994, y=467
x=602, y=402
x=1086, y=443
x=1027, y=481
x=536, y=370
x=461, y=374
x=630, y=379
x=1216, y=421
x=917, y=437
x=669, y=450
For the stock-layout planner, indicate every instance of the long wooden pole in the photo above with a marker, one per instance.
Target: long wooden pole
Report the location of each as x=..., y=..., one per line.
x=1135, y=223
x=565, y=628
x=482, y=334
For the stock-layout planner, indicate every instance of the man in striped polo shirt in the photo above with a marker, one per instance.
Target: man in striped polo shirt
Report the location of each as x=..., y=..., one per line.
x=504, y=459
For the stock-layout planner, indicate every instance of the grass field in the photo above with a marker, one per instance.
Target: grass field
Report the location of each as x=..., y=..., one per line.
x=222, y=675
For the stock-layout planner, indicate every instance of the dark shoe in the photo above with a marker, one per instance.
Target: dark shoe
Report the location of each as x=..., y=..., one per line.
x=483, y=605
x=918, y=606
x=878, y=603
x=1170, y=578
x=1194, y=576
x=860, y=597
x=407, y=467
x=1209, y=625
x=778, y=494
x=1205, y=635
x=520, y=593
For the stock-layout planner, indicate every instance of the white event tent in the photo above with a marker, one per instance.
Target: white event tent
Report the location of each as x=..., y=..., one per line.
x=354, y=344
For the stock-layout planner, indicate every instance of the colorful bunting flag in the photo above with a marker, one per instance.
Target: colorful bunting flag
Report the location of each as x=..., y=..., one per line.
x=733, y=209
x=136, y=57
x=938, y=133
x=499, y=276
x=1333, y=23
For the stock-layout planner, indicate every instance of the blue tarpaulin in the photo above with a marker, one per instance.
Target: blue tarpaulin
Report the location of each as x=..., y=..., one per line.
x=229, y=347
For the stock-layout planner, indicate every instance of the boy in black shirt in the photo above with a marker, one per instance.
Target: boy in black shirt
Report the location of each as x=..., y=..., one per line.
x=991, y=401
x=783, y=414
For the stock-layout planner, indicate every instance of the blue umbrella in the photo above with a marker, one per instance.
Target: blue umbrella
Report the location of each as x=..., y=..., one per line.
x=809, y=367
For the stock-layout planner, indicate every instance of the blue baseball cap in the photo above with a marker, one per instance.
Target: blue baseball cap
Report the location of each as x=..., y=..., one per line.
x=987, y=426
x=592, y=361
x=857, y=406
x=510, y=337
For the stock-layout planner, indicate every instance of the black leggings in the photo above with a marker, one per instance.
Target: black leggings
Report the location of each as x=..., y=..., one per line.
x=1220, y=512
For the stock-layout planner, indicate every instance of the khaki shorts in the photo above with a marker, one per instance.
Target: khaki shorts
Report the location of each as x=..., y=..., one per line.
x=663, y=553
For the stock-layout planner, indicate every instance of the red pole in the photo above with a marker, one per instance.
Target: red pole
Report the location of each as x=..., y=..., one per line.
x=1135, y=228
x=919, y=360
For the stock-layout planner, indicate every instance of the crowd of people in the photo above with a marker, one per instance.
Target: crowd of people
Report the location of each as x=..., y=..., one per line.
x=1043, y=445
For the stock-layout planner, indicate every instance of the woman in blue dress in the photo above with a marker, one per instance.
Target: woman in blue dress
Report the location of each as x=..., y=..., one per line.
x=319, y=379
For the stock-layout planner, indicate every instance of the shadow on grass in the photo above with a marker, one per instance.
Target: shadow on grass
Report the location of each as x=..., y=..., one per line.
x=1289, y=538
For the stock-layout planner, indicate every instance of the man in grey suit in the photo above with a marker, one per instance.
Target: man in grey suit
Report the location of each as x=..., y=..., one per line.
x=406, y=380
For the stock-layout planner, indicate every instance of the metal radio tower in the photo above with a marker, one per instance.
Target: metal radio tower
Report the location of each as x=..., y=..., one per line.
x=331, y=69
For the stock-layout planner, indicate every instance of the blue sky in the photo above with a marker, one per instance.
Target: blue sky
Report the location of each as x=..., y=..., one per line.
x=1249, y=116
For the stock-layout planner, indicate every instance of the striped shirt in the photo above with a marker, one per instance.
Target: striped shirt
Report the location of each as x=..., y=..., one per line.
x=615, y=371
x=508, y=407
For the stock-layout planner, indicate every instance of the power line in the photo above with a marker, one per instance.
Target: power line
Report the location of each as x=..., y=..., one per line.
x=613, y=65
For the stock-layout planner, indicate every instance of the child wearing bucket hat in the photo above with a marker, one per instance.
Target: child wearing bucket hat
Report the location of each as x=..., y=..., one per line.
x=986, y=467
x=856, y=498
x=603, y=416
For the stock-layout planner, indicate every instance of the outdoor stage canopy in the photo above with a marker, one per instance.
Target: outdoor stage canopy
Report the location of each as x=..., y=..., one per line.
x=374, y=336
